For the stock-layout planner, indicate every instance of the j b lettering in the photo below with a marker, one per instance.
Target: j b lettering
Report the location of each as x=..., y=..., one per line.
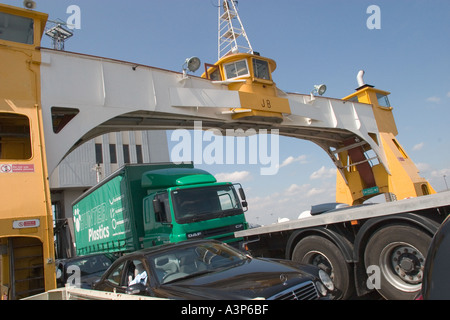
x=266, y=103
x=374, y=20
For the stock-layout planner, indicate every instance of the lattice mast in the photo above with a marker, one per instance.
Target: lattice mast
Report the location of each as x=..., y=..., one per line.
x=232, y=35
x=59, y=34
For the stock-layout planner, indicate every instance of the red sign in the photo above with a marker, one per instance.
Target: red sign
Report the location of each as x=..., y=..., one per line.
x=16, y=168
x=23, y=224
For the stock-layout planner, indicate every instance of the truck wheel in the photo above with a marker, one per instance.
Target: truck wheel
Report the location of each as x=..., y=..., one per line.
x=399, y=251
x=323, y=253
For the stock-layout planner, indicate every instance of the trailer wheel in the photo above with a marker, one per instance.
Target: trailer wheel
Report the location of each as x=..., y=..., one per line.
x=321, y=252
x=399, y=251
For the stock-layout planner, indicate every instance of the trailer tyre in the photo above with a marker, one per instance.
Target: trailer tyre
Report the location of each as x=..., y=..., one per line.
x=399, y=252
x=319, y=251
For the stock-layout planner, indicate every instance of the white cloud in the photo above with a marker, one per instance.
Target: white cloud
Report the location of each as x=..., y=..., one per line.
x=448, y=94
x=434, y=99
x=288, y=204
x=294, y=188
x=323, y=173
x=314, y=192
x=291, y=159
x=423, y=167
x=440, y=173
x=237, y=176
x=418, y=146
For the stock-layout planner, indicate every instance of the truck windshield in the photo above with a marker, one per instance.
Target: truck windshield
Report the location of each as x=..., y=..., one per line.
x=199, y=204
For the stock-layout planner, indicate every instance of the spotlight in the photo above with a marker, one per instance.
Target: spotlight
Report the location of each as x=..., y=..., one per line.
x=192, y=64
x=29, y=4
x=318, y=89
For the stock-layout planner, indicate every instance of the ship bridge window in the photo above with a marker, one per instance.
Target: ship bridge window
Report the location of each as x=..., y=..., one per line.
x=236, y=69
x=261, y=69
x=15, y=138
x=215, y=75
x=15, y=28
x=212, y=72
x=383, y=100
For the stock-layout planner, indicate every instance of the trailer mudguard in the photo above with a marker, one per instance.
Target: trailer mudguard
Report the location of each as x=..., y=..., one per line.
x=339, y=240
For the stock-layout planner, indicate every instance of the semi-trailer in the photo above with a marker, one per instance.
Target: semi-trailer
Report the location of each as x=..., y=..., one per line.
x=366, y=248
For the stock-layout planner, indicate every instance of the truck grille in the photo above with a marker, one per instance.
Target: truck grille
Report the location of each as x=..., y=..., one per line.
x=222, y=233
x=304, y=291
x=217, y=231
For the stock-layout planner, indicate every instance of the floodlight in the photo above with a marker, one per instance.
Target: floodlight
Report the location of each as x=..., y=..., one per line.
x=320, y=89
x=193, y=64
x=29, y=4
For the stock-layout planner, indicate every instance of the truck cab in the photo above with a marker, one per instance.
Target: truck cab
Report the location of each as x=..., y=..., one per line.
x=145, y=205
x=191, y=206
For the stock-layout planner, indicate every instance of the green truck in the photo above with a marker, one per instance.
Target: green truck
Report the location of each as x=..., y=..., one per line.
x=144, y=205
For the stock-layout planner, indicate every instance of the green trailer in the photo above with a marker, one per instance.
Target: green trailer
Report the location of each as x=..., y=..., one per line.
x=144, y=205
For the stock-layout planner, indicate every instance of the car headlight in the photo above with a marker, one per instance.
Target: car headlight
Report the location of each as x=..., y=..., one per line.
x=321, y=288
x=326, y=280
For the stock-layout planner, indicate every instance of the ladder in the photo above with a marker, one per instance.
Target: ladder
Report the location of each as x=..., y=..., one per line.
x=232, y=35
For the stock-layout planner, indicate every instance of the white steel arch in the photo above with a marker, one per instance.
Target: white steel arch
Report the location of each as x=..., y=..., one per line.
x=104, y=95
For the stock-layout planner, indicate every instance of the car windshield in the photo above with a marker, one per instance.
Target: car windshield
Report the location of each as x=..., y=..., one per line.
x=92, y=264
x=194, y=260
x=199, y=204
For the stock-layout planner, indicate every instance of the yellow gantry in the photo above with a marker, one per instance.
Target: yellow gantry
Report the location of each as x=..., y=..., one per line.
x=363, y=177
x=26, y=220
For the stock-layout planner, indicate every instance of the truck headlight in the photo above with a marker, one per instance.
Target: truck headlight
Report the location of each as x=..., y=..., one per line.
x=326, y=280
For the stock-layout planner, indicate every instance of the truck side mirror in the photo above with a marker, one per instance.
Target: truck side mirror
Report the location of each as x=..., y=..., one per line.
x=242, y=193
x=244, y=201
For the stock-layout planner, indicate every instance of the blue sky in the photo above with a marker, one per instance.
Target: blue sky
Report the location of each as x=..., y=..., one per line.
x=313, y=42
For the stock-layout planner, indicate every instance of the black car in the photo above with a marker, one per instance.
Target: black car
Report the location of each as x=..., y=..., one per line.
x=435, y=284
x=83, y=271
x=207, y=269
